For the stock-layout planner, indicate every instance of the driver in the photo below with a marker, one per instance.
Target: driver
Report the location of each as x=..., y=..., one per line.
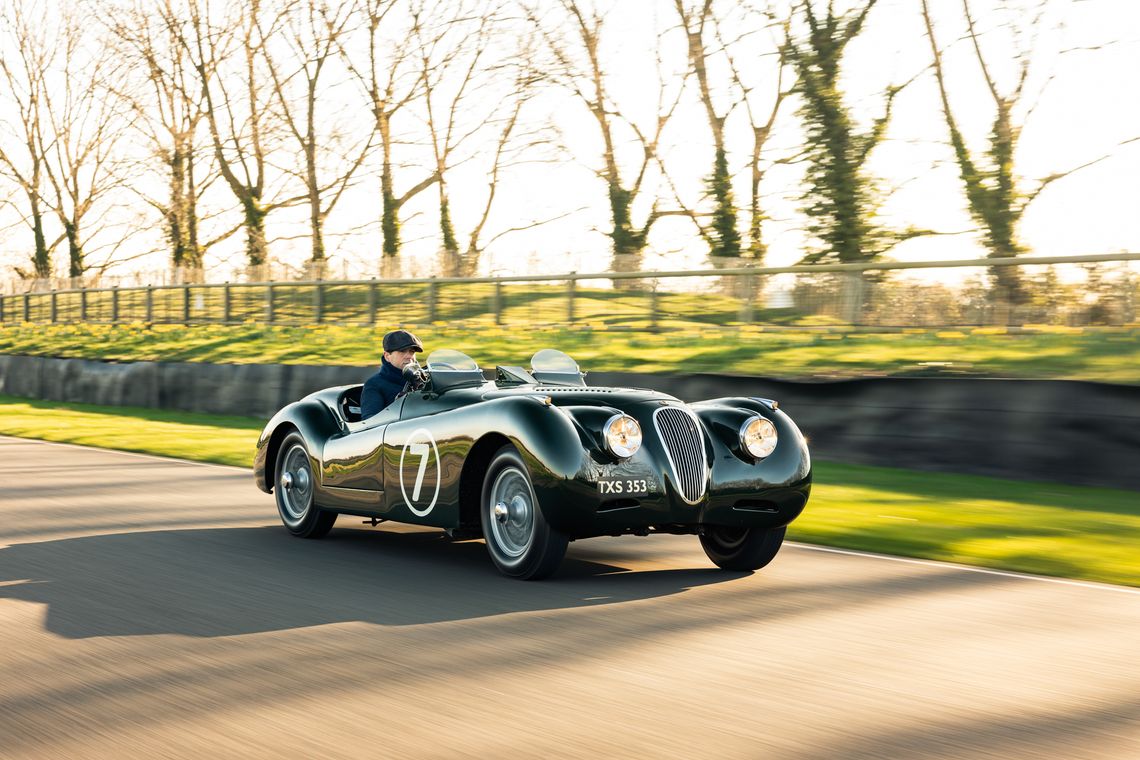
x=380, y=390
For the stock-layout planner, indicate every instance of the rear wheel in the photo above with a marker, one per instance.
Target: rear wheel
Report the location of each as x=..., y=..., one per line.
x=520, y=541
x=741, y=548
x=294, y=491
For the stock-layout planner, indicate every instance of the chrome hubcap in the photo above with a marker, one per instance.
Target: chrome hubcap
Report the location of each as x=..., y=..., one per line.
x=512, y=508
x=296, y=484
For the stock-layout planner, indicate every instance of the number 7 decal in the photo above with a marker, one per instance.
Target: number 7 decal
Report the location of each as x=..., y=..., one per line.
x=420, y=450
x=421, y=445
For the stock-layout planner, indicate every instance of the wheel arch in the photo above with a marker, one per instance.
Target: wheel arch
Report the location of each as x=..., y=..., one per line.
x=280, y=433
x=315, y=423
x=471, y=477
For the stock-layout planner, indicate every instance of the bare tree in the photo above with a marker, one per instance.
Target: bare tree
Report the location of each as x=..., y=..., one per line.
x=241, y=125
x=390, y=81
x=168, y=106
x=838, y=199
x=574, y=41
x=82, y=124
x=760, y=122
x=721, y=234
x=473, y=88
x=312, y=31
x=25, y=52
x=990, y=178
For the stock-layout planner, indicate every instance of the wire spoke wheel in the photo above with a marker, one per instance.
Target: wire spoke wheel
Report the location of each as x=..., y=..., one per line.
x=520, y=541
x=296, y=490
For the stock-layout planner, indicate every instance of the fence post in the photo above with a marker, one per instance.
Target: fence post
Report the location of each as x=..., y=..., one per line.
x=372, y=299
x=54, y=307
x=268, y=304
x=2, y=301
x=150, y=304
x=653, y=326
x=83, y=304
x=749, y=284
x=318, y=302
x=853, y=295
x=186, y=304
x=226, y=303
x=27, y=308
x=498, y=305
x=571, y=286
x=114, y=304
x=431, y=299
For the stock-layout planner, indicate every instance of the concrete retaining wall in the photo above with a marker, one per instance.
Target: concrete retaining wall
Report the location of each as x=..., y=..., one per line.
x=1074, y=432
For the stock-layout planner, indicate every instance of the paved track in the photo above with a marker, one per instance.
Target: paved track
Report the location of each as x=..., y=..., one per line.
x=154, y=608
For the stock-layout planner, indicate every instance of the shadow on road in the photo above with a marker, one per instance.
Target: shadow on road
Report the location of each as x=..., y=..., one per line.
x=222, y=582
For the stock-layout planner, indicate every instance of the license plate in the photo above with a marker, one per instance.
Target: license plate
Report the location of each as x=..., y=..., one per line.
x=623, y=487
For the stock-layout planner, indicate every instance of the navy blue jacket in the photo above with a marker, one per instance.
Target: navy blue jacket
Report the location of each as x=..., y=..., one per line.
x=381, y=389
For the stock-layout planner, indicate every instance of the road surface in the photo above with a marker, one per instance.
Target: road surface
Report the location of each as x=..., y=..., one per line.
x=155, y=608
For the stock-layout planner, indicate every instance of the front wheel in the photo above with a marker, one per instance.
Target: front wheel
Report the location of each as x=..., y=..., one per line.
x=520, y=541
x=741, y=548
x=294, y=491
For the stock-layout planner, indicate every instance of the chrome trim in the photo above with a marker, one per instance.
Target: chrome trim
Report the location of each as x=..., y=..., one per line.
x=606, y=435
x=744, y=446
x=687, y=443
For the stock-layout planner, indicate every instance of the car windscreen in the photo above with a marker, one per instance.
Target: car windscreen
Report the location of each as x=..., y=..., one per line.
x=450, y=360
x=553, y=360
x=553, y=367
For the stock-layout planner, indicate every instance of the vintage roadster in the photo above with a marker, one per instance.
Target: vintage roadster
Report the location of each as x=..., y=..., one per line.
x=535, y=458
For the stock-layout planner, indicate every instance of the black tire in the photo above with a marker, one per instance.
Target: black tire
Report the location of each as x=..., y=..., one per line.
x=294, y=491
x=520, y=541
x=741, y=548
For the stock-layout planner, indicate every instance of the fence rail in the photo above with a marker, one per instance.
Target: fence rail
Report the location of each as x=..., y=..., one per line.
x=1062, y=290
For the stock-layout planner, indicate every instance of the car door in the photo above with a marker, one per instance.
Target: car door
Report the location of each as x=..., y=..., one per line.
x=352, y=460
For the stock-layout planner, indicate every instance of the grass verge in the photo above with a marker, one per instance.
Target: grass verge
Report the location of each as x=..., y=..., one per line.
x=1044, y=528
x=1108, y=355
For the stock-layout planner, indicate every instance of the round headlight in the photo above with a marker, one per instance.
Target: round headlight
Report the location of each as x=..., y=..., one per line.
x=758, y=437
x=622, y=435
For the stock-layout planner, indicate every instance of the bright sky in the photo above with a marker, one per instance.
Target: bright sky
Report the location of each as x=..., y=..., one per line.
x=1089, y=104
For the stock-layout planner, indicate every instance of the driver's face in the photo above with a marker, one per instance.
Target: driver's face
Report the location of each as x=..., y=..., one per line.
x=400, y=359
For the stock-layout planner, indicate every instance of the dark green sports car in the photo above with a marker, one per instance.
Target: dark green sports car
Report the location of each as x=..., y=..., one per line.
x=536, y=458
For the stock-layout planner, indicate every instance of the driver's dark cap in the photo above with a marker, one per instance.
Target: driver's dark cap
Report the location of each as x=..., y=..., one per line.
x=402, y=340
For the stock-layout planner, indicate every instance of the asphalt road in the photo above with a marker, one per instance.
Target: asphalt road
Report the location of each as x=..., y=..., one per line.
x=154, y=608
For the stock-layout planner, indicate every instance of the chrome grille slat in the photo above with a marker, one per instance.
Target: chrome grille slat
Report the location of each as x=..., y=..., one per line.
x=680, y=433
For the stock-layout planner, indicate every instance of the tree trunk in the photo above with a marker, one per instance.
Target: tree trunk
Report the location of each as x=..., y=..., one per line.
x=447, y=230
x=194, y=252
x=756, y=247
x=176, y=209
x=74, y=249
x=255, y=246
x=41, y=261
x=316, y=218
x=725, y=237
x=390, y=211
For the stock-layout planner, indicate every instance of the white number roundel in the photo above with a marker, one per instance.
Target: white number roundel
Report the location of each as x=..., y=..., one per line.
x=420, y=453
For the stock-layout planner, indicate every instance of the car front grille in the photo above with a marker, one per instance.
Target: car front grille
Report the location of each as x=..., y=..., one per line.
x=684, y=445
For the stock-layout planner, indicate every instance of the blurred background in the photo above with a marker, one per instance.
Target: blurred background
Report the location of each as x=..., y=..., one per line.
x=182, y=142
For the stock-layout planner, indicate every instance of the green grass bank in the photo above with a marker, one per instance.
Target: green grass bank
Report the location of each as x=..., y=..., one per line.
x=1103, y=354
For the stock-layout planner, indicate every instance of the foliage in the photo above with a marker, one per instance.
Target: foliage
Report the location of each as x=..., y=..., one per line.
x=839, y=201
x=725, y=239
x=819, y=348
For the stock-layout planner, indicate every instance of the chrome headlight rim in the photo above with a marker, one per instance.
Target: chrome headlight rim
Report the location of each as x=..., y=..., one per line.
x=767, y=442
x=612, y=441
